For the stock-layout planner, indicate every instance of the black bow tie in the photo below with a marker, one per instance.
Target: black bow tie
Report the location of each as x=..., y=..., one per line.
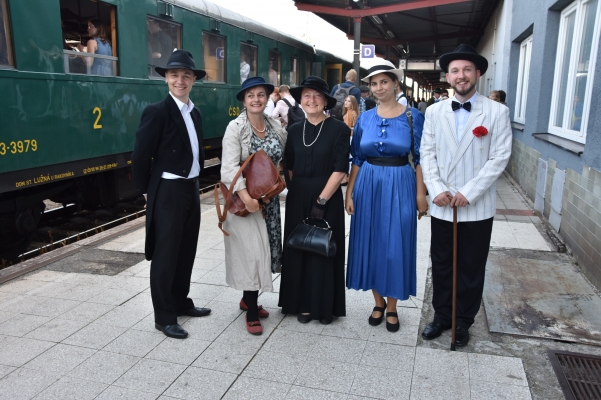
x=467, y=106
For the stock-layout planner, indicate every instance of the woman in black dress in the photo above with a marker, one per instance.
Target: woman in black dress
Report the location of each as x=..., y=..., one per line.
x=316, y=158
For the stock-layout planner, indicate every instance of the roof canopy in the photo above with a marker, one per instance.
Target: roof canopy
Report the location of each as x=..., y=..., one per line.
x=409, y=29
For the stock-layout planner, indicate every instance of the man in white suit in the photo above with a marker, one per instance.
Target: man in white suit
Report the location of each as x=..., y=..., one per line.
x=465, y=146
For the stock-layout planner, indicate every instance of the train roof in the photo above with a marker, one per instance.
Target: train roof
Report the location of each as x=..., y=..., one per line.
x=230, y=17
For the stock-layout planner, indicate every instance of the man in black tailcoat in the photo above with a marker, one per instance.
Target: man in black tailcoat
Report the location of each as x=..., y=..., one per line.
x=167, y=160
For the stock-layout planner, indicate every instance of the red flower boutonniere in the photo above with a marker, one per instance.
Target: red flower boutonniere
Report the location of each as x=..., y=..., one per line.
x=480, y=131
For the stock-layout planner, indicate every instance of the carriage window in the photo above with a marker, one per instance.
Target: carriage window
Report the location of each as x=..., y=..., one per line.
x=307, y=68
x=294, y=72
x=6, y=57
x=162, y=39
x=248, y=62
x=214, y=57
x=275, y=61
x=89, y=37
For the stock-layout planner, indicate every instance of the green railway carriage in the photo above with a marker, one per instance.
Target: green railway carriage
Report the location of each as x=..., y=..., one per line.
x=67, y=132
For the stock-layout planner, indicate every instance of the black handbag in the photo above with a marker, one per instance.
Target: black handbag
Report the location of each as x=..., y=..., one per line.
x=313, y=239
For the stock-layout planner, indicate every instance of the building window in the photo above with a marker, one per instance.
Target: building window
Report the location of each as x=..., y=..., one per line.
x=6, y=54
x=89, y=37
x=214, y=57
x=162, y=39
x=248, y=61
x=523, y=74
x=275, y=62
x=574, y=66
x=294, y=72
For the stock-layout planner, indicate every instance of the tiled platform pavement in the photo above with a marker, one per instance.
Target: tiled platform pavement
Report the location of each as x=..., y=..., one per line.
x=83, y=336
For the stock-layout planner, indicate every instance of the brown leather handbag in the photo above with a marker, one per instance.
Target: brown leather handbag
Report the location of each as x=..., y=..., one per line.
x=263, y=183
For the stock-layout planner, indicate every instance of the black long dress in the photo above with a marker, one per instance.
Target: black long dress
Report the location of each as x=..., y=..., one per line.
x=312, y=283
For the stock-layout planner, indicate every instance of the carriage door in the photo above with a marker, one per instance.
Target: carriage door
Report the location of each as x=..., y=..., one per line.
x=333, y=74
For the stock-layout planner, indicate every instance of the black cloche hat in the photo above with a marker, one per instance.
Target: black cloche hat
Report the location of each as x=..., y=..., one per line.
x=181, y=59
x=315, y=83
x=252, y=82
x=464, y=52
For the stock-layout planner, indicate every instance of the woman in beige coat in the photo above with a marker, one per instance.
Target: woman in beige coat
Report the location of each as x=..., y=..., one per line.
x=253, y=249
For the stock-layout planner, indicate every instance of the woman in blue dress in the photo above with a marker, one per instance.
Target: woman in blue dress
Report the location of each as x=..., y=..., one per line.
x=98, y=44
x=383, y=194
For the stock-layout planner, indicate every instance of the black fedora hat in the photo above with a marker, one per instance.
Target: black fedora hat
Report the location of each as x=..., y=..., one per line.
x=315, y=83
x=464, y=52
x=252, y=82
x=181, y=59
x=438, y=90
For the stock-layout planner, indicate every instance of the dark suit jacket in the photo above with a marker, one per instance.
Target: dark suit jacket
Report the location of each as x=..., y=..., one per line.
x=162, y=145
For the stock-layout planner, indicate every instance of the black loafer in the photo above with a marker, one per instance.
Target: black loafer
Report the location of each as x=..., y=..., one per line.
x=172, y=331
x=462, y=336
x=304, y=319
x=392, y=327
x=325, y=321
x=434, y=330
x=196, y=312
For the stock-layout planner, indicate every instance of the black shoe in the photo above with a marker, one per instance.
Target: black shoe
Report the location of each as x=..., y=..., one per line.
x=196, y=312
x=462, y=336
x=304, y=319
x=172, y=331
x=392, y=327
x=377, y=321
x=325, y=321
x=434, y=330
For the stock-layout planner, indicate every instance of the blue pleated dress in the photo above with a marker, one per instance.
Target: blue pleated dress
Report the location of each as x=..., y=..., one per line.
x=383, y=236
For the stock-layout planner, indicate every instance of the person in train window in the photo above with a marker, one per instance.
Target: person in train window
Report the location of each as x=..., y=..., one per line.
x=382, y=198
x=98, y=44
x=274, y=97
x=159, y=43
x=244, y=68
x=273, y=74
x=316, y=155
x=167, y=159
x=253, y=249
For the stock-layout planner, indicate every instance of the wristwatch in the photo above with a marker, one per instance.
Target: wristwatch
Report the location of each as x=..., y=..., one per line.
x=321, y=201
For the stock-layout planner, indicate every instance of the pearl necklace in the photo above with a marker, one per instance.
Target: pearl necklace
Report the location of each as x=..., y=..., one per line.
x=316, y=137
x=257, y=130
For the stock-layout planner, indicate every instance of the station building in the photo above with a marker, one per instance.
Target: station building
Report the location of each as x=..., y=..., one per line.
x=544, y=54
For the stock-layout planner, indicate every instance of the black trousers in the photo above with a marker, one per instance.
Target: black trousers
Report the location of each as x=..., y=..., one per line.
x=473, y=241
x=176, y=221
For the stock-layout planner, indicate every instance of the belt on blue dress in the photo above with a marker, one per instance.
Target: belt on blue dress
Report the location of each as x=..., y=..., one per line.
x=388, y=161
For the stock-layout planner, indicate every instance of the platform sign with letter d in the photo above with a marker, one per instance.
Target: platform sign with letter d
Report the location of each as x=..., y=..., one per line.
x=368, y=51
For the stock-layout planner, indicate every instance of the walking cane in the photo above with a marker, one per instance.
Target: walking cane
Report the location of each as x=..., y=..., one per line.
x=454, y=313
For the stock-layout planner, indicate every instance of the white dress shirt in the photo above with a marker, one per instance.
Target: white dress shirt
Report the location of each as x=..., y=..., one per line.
x=401, y=100
x=186, y=109
x=461, y=116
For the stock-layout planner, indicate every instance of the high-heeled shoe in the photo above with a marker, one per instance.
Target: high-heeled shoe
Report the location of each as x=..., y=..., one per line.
x=392, y=327
x=377, y=321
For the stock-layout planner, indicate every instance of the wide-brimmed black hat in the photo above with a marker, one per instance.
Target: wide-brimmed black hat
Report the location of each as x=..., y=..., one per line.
x=315, y=83
x=438, y=90
x=252, y=82
x=464, y=52
x=181, y=59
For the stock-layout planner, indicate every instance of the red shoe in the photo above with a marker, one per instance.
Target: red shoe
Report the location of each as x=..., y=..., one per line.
x=254, y=327
x=263, y=313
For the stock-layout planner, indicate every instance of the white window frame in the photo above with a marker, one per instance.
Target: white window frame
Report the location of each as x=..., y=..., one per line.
x=577, y=7
x=521, y=93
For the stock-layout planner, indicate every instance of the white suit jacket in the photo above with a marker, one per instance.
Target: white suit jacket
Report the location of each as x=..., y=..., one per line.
x=471, y=166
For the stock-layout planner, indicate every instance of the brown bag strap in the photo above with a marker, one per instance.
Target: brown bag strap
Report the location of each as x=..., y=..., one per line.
x=228, y=198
